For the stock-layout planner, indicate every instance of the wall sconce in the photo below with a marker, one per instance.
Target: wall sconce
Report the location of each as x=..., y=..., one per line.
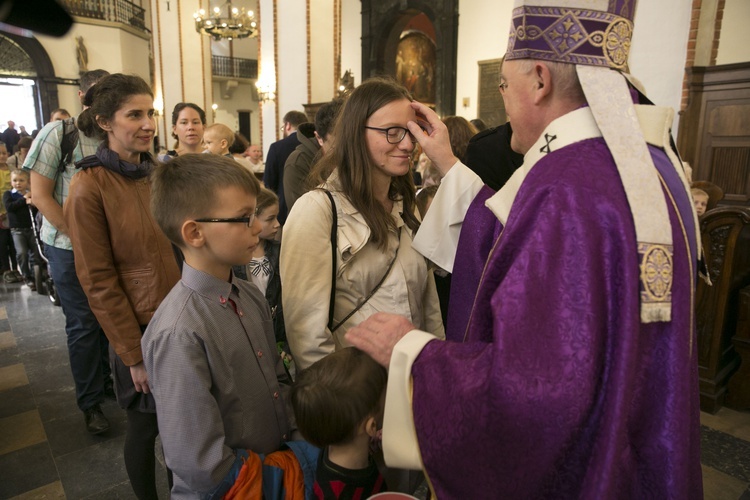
x=158, y=106
x=346, y=83
x=214, y=107
x=266, y=91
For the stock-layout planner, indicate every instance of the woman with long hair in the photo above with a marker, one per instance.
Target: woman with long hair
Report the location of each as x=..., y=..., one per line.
x=188, y=123
x=123, y=260
x=368, y=174
x=460, y=131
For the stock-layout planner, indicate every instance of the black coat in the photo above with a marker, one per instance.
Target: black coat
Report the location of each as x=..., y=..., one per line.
x=489, y=155
x=273, y=176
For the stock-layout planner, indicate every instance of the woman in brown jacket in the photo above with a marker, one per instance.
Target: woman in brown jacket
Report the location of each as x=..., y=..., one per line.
x=123, y=260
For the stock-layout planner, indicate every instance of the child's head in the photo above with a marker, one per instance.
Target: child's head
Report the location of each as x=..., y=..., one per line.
x=700, y=199
x=194, y=186
x=339, y=395
x=24, y=144
x=217, y=139
x=424, y=199
x=3, y=154
x=267, y=211
x=19, y=179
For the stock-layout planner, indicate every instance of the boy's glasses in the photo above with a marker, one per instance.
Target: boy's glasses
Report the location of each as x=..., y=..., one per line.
x=394, y=135
x=247, y=220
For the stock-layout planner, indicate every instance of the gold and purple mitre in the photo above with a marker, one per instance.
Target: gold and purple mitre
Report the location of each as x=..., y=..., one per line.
x=589, y=32
x=595, y=36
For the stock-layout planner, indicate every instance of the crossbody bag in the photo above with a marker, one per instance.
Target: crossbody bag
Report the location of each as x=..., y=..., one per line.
x=334, y=246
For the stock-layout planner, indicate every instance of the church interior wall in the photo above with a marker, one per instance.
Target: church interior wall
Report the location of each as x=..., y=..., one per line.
x=107, y=48
x=291, y=74
x=322, y=50
x=242, y=98
x=351, y=39
x=733, y=43
x=482, y=34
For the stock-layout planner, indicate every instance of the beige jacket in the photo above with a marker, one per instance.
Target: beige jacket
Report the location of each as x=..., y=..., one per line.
x=305, y=268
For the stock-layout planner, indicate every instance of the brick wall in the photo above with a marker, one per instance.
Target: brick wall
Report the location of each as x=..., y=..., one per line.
x=693, y=38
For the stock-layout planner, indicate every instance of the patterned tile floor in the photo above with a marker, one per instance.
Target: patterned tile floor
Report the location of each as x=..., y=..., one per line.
x=46, y=453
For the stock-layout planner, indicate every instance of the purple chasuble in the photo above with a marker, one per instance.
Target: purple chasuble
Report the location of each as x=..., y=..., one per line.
x=559, y=390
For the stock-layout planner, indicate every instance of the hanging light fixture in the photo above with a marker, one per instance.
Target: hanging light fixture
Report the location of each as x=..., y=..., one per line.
x=237, y=23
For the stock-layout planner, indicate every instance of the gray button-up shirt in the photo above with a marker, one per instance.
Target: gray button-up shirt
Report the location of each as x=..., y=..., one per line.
x=217, y=378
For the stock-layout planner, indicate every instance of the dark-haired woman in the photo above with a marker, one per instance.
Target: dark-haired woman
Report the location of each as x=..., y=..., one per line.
x=123, y=260
x=188, y=122
x=368, y=173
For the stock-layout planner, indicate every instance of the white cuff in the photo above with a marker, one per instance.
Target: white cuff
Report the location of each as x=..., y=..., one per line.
x=400, y=446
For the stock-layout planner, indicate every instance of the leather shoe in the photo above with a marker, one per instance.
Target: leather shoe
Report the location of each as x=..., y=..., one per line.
x=96, y=422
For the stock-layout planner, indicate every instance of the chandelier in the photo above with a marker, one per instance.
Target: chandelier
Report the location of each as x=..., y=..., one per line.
x=236, y=24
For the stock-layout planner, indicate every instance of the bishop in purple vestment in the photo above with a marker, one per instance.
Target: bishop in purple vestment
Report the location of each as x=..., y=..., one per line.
x=570, y=369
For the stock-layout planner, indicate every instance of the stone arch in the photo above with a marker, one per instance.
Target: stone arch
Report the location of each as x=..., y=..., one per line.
x=12, y=63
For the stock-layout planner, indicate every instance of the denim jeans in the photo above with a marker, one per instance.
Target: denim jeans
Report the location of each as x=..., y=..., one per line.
x=87, y=345
x=27, y=252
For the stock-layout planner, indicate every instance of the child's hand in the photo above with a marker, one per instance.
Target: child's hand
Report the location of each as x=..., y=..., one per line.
x=28, y=199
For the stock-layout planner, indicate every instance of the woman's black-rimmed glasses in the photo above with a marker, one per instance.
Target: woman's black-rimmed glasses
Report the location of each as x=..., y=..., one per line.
x=394, y=135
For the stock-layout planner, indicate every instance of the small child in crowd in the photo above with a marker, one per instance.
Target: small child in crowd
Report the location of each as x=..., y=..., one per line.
x=700, y=199
x=209, y=350
x=7, y=250
x=17, y=202
x=263, y=269
x=217, y=139
x=338, y=403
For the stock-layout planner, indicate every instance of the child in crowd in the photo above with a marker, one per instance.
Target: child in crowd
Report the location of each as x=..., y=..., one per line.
x=17, y=202
x=217, y=139
x=338, y=403
x=209, y=351
x=263, y=269
x=7, y=250
x=700, y=199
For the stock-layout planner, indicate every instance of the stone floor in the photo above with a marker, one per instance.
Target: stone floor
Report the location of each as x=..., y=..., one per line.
x=45, y=451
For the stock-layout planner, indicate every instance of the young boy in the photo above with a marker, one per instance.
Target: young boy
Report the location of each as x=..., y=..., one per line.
x=338, y=404
x=17, y=202
x=7, y=250
x=209, y=350
x=700, y=199
x=218, y=138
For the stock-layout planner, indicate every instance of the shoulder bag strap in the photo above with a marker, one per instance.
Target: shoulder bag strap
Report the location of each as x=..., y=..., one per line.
x=375, y=289
x=334, y=244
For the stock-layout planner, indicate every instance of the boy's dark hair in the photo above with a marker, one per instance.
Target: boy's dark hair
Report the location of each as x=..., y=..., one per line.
x=89, y=78
x=187, y=187
x=24, y=143
x=423, y=196
x=295, y=118
x=239, y=145
x=336, y=394
x=325, y=118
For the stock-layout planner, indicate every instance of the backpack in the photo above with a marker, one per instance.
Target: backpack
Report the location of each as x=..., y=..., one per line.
x=67, y=143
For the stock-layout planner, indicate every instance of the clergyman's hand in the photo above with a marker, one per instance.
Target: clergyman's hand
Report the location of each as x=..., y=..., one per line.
x=432, y=135
x=378, y=334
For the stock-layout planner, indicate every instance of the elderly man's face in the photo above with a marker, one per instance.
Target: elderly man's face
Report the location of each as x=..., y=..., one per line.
x=517, y=89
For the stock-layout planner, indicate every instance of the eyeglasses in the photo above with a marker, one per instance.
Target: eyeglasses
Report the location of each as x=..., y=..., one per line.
x=248, y=220
x=502, y=86
x=394, y=135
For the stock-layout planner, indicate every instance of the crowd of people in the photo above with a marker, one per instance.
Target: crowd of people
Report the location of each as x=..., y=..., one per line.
x=405, y=298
